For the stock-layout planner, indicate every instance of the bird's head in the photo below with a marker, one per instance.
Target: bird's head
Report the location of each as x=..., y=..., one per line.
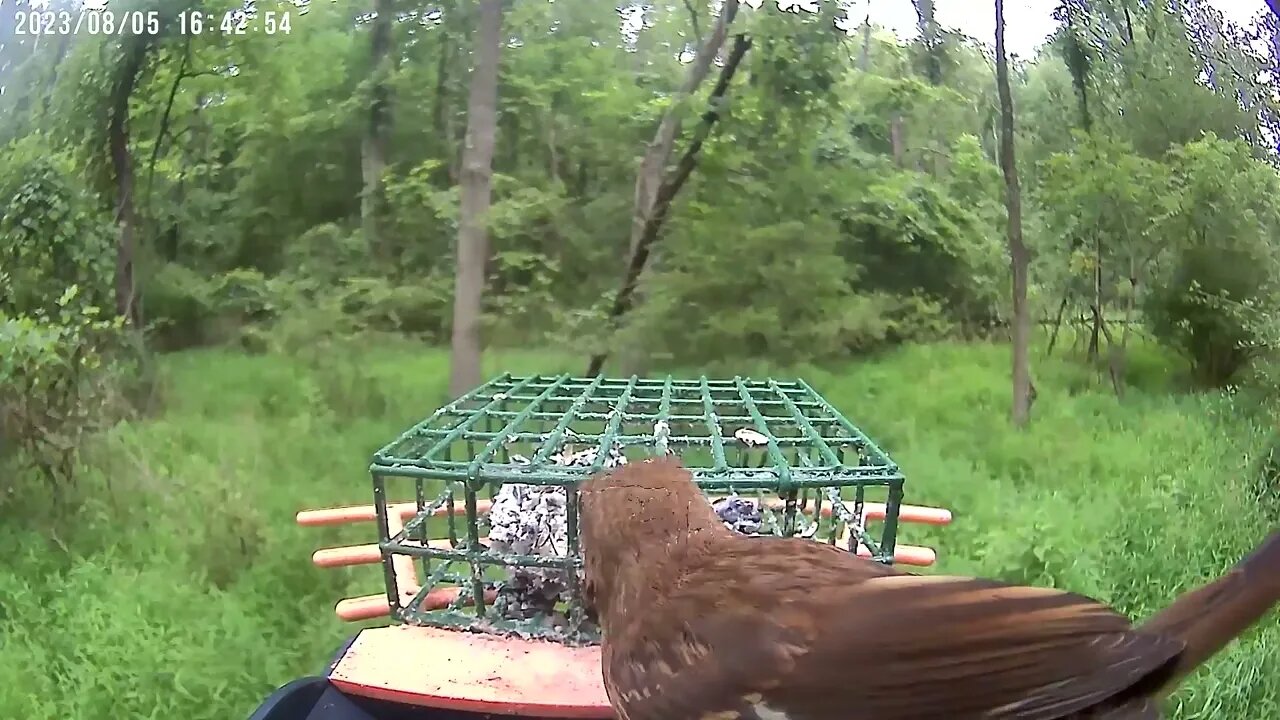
x=634, y=519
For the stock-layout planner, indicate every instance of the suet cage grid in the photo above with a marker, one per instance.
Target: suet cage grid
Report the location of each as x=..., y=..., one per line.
x=777, y=443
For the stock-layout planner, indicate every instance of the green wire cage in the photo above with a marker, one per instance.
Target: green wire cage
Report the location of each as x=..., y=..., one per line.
x=805, y=467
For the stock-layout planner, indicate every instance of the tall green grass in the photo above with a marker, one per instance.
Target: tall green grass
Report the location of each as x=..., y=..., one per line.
x=184, y=589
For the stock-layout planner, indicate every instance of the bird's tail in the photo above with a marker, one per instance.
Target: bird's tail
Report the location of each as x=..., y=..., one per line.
x=1211, y=616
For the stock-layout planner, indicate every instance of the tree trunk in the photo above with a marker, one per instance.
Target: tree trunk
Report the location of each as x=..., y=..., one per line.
x=897, y=142
x=667, y=192
x=477, y=177
x=374, y=148
x=932, y=47
x=864, y=59
x=135, y=54
x=163, y=131
x=1057, y=323
x=651, y=179
x=654, y=164
x=933, y=53
x=1095, y=308
x=1019, y=258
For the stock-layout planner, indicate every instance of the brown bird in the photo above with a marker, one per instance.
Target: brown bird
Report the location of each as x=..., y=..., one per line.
x=701, y=623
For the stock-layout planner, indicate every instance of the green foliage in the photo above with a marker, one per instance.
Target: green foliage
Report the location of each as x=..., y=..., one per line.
x=191, y=563
x=1210, y=308
x=911, y=237
x=847, y=202
x=781, y=296
x=1221, y=284
x=59, y=347
x=1104, y=209
x=56, y=387
x=51, y=234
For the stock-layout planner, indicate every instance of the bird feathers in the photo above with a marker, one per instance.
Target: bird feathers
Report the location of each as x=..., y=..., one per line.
x=700, y=622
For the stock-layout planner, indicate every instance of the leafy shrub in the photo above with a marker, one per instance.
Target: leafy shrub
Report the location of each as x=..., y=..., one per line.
x=1209, y=311
x=878, y=320
x=422, y=308
x=910, y=238
x=1213, y=302
x=179, y=306
x=521, y=302
x=326, y=252
x=52, y=234
x=55, y=388
x=780, y=293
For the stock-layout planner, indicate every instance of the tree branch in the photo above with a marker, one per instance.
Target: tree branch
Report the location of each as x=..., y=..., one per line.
x=659, y=150
x=667, y=192
x=693, y=19
x=164, y=118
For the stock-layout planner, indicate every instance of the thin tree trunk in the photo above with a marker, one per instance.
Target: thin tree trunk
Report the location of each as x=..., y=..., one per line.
x=477, y=179
x=1118, y=352
x=135, y=54
x=165, y=116
x=374, y=148
x=441, y=113
x=64, y=46
x=897, y=142
x=1019, y=258
x=864, y=59
x=666, y=194
x=928, y=27
x=1057, y=323
x=654, y=164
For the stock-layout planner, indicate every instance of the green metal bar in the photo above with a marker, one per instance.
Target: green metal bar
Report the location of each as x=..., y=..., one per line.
x=889, y=538
x=417, y=525
x=473, y=545
x=664, y=410
x=473, y=468
x=384, y=541
x=610, y=434
x=775, y=456
x=466, y=555
x=633, y=439
x=572, y=556
x=452, y=514
x=553, y=438
x=828, y=455
x=462, y=427
x=849, y=427
x=635, y=416
x=719, y=464
x=551, y=474
x=447, y=409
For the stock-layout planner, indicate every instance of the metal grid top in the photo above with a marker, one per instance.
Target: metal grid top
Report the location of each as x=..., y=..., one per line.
x=779, y=434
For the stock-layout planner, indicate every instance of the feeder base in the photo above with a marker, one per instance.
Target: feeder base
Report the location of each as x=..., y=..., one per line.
x=473, y=672
x=314, y=698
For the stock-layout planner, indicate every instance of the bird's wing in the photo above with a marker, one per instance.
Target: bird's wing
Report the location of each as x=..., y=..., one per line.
x=914, y=647
x=719, y=638
x=694, y=667
x=798, y=630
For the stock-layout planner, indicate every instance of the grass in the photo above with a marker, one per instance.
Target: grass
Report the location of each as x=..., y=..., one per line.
x=184, y=589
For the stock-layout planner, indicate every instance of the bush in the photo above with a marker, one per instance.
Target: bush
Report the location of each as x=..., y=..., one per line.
x=1209, y=310
x=912, y=239
x=189, y=309
x=52, y=234
x=56, y=386
x=1213, y=304
x=782, y=293
x=179, y=305
x=422, y=309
